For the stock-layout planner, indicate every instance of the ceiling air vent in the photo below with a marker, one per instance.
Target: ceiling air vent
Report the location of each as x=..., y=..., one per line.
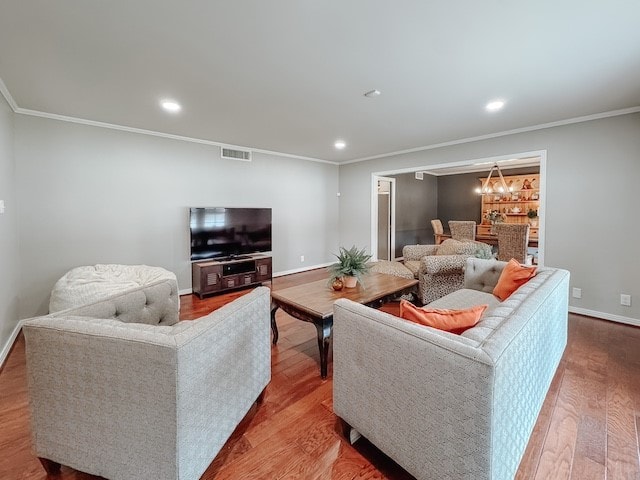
x=235, y=154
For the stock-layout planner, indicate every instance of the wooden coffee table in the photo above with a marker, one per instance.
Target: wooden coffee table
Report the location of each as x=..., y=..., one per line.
x=313, y=302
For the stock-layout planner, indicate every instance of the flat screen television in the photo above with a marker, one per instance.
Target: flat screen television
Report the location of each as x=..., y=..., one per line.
x=225, y=233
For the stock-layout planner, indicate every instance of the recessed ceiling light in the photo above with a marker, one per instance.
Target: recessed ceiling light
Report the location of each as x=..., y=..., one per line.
x=372, y=93
x=170, y=106
x=495, y=105
x=339, y=144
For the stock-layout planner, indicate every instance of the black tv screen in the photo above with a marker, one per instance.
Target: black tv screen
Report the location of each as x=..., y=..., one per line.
x=228, y=232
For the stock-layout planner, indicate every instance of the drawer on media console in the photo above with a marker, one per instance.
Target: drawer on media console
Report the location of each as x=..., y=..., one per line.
x=238, y=280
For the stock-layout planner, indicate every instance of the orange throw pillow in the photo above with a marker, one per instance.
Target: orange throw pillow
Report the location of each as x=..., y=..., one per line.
x=454, y=321
x=512, y=277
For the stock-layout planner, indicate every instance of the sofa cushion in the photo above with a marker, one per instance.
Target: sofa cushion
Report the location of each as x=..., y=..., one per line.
x=454, y=321
x=451, y=247
x=465, y=298
x=512, y=277
x=391, y=268
x=481, y=274
x=463, y=247
x=414, y=266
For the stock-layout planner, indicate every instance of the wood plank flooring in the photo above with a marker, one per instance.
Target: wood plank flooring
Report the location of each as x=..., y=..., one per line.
x=588, y=427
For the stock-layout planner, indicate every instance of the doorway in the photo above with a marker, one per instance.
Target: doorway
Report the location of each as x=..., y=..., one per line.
x=477, y=167
x=384, y=206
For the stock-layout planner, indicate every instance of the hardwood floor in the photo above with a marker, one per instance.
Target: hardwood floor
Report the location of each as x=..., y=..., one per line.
x=588, y=427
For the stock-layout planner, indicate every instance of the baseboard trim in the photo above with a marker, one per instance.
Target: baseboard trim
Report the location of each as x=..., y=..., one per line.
x=303, y=269
x=605, y=316
x=12, y=338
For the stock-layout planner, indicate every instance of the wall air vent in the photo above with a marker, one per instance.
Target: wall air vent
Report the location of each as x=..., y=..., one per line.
x=235, y=154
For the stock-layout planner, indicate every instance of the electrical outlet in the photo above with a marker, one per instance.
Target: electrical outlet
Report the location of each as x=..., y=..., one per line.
x=625, y=300
x=576, y=292
x=301, y=258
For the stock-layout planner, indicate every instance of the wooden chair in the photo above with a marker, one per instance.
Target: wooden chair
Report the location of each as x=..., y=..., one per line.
x=462, y=229
x=438, y=231
x=513, y=241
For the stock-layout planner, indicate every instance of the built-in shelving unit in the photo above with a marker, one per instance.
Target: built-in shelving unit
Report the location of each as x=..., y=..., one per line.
x=523, y=195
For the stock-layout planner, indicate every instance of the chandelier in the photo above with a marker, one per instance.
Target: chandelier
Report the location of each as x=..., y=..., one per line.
x=488, y=188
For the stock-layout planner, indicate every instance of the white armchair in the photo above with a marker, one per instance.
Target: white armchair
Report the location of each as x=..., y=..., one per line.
x=140, y=400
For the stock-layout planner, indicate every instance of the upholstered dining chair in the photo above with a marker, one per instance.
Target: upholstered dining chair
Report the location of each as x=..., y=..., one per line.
x=462, y=229
x=438, y=231
x=513, y=240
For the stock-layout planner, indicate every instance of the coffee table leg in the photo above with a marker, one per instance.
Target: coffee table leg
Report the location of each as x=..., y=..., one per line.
x=324, y=337
x=274, y=327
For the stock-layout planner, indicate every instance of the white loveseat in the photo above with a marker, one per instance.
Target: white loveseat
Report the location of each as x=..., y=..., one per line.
x=451, y=406
x=118, y=389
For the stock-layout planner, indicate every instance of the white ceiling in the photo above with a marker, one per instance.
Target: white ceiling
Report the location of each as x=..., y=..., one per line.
x=289, y=76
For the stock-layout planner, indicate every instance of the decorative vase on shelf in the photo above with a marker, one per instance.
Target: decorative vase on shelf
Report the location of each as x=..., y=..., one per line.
x=350, y=282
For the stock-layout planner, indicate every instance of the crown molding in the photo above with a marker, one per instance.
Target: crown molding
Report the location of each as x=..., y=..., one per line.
x=542, y=126
x=83, y=121
x=153, y=133
x=5, y=93
x=35, y=113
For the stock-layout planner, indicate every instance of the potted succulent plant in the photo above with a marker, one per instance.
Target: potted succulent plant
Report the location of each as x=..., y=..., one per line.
x=351, y=266
x=533, y=217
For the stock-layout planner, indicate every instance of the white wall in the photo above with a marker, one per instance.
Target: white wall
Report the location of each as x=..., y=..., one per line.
x=92, y=195
x=593, y=186
x=8, y=233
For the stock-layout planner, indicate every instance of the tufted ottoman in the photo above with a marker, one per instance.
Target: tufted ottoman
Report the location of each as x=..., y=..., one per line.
x=88, y=284
x=391, y=268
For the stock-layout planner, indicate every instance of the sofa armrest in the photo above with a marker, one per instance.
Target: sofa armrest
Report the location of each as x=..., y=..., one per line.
x=422, y=408
x=439, y=264
x=416, y=252
x=224, y=363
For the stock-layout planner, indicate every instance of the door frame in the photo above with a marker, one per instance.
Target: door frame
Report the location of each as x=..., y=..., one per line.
x=374, y=215
x=542, y=154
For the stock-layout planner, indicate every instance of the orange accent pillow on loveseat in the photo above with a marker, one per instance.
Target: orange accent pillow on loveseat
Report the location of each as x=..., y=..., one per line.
x=454, y=321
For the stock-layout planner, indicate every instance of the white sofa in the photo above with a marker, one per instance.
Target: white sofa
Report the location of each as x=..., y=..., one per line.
x=451, y=406
x=118, y=389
